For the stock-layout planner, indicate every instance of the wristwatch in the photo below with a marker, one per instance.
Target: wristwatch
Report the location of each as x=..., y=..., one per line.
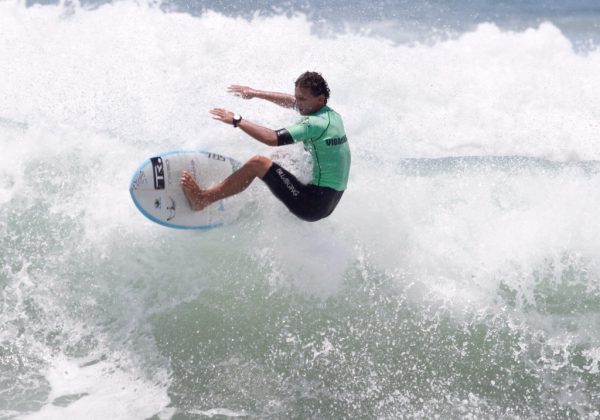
x=236, y=119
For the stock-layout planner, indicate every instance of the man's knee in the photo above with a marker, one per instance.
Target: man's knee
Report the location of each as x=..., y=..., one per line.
x=260, y=165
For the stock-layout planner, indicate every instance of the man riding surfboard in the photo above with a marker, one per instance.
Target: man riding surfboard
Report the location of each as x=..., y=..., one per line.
x=321, y=130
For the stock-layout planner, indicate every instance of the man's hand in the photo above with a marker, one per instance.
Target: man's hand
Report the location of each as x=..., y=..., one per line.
x=223, y=115
x=262, y=134
x=246, y=92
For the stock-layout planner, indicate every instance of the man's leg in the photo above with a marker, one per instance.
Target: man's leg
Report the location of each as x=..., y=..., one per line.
x=233, y=184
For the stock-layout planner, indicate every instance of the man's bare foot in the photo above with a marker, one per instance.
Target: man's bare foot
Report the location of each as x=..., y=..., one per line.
x=193, y=192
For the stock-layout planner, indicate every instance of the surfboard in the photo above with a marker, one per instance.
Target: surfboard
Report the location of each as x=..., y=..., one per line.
x=156, y=191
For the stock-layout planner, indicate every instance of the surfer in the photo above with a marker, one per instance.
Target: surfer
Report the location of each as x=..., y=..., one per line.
x=320, y=129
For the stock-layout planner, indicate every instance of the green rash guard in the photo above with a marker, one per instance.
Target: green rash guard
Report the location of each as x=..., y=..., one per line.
x=324, y=137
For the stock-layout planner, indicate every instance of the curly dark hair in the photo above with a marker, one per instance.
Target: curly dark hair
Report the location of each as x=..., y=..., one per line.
x=315, y=82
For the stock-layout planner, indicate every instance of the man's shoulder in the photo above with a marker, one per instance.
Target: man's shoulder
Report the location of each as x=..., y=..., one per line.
x=316, y=119
x=321, y=117
x=313, y=125
x=323, y=112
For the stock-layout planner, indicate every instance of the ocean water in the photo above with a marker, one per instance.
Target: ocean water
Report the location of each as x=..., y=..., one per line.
x=458, y=278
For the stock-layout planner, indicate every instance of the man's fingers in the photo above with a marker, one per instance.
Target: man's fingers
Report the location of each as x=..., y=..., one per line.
x=218, y=113
x=236, y=89
x=240, y=90
x=221, y=114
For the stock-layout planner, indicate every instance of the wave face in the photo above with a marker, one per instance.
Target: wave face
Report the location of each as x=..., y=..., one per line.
x=458, y=277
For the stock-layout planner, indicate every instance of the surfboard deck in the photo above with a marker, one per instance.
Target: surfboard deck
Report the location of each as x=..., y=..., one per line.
x=156, y=191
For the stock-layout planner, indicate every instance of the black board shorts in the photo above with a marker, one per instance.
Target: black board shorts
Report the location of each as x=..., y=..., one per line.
x=307, y=201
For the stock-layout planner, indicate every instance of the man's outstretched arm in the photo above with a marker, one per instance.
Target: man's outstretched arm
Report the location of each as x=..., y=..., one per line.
x=282, y=99
x=263, y=134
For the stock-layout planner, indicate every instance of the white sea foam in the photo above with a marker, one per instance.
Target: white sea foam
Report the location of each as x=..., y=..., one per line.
x=99, y=391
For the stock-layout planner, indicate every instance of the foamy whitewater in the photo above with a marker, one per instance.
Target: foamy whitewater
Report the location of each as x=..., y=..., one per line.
x=458, y=278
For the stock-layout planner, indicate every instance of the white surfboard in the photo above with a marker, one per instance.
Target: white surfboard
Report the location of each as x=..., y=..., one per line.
x=156, y=191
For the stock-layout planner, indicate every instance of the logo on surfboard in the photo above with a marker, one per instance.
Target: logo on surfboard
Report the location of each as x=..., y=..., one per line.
x=171, y=209
x=159, y=173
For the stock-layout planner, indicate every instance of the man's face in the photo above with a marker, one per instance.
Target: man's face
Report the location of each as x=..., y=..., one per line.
x=306, y=103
